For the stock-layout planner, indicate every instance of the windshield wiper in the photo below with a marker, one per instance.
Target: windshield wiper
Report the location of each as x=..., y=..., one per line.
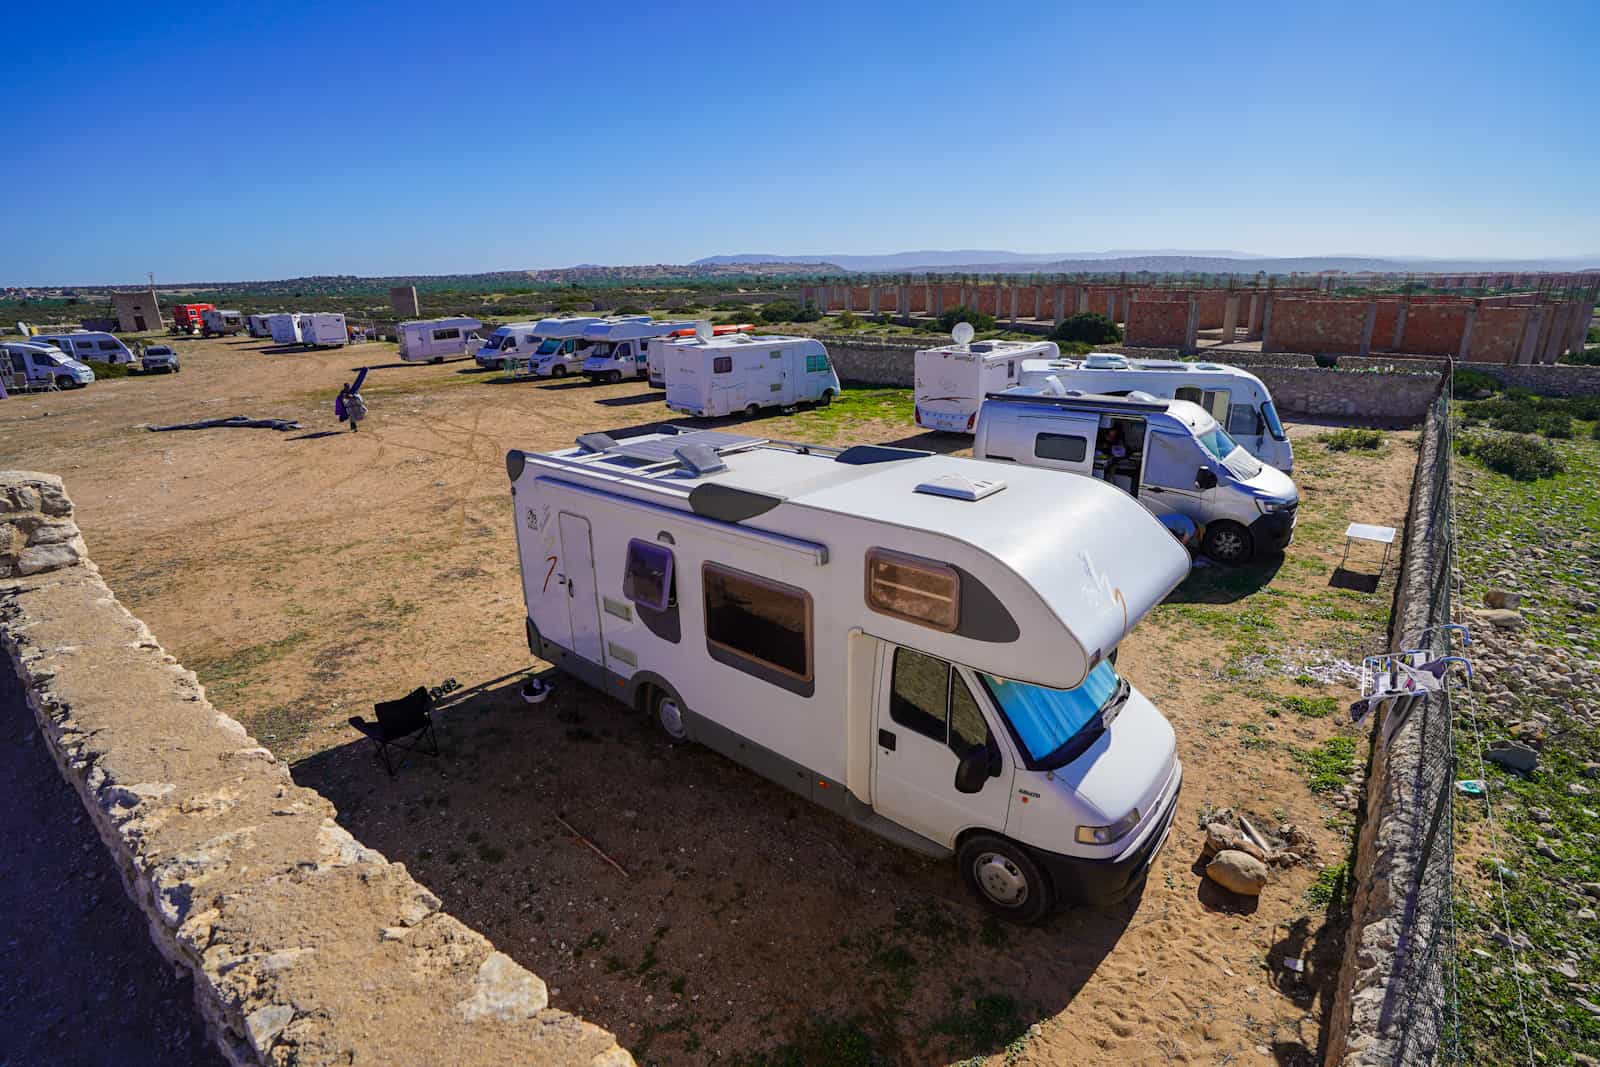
x=1113, y=705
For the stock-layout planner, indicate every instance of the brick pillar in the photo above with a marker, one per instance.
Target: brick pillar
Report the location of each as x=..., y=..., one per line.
x=1465, y=351
x=1083, y=299
x=1252, y=326
x=1557, y=332
x=902, y=301
x=1266, y=324
x=1111, y=305
x=938, y=300
x=1400, y=327
x=1578, y=333
x=1013, y=305
x=1230, y=319
x=873, y=301
x=1191, y=326
x=1367, y=325
x=1528, y=346
x=1038, y=302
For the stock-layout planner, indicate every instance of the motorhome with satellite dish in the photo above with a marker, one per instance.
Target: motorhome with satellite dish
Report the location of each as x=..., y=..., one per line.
x=657, y=360
x=259, y=325
x=216, y=322
x=435, y=340
x=952, y=380
x=1169, y=454
x=1236, y=398
x=323, y=329
x=619, y=348
x=922, y=644
x=708, y=376
x=285, y=327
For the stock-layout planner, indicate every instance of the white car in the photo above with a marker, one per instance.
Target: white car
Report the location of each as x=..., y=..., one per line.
x=160, y=357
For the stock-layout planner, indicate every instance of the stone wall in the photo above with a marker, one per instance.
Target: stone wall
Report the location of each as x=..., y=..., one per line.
x=305, y=946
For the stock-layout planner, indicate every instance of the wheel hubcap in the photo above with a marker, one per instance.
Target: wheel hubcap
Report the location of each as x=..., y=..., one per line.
x=671, y=718
x=1228, y=544
x=1001, y=880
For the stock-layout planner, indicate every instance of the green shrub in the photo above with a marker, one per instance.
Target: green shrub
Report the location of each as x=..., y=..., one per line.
x=1352, y=439
x=1466, y=384
x=1556, y=424
x=628, y=309
x=1087, y=327
x=978, y=319
x=847, y=320
x=1594, y=431
x=102, y=371
x=1589, y=357
x=789, y=311
x=1518, y=456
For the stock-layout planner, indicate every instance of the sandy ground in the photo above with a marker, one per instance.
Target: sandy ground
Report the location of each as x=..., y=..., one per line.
x=305, y=575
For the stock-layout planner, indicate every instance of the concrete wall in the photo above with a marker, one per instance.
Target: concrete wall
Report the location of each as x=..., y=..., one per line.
x=137, y=312
x=305, y=946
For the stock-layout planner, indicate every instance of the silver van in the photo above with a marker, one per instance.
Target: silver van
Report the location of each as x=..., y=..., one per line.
x=1169, y=454
x=41, y=365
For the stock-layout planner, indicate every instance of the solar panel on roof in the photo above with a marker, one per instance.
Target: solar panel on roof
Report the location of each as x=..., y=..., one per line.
x=661, y=449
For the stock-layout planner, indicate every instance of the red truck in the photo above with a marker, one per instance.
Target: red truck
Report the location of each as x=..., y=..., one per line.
x=186, y=317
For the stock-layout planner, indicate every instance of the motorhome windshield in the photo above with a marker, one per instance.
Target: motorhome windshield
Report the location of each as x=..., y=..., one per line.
x=602, y=349
x=1274, y=427
x=549, y=346
x=1216, y=442
x=1056, y=725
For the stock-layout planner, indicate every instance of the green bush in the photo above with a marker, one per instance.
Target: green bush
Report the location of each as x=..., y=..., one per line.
x=628, y=309
x=1518, y=456
x=1594, y=431
x=1087, y=327
x=1466, y=384
x=1589, y=357
x=847, y=320
x=1556, y=424
x=978, y=319
x=789, y=311
x=102, y=371
x=1352, y=439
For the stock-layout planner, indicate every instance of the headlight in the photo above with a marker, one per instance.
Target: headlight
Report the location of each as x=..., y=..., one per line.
x=1105, y=835
x=1274, y=507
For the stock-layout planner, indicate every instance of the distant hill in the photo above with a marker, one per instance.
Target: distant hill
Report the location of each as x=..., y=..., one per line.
x=1155, y=261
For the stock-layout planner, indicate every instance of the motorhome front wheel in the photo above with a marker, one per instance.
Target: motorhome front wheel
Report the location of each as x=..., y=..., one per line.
x=1005, y=878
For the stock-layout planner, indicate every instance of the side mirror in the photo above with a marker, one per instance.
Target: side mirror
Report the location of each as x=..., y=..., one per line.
x=973, y=770
x=1206, y=478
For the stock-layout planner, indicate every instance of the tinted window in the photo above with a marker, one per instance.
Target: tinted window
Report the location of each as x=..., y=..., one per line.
x=816, y=363
x=647, y=579
x=918, y=590
x=1067, y=448
x=110, y=346
x=446, y=335
x=722, y=365
x=760, y=620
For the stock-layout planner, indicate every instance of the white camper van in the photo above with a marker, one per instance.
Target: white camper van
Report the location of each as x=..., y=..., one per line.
x=215, y=322
x=323, y=329
x=286, y=327
x=952, y=380
x=434, y=340
x=656, y=352
x=620, y=348
x=37, y=365
x=711, y=376
x=259, y=325
x=1170, y=454
x=556, y=343
x=1235, y=398
x=87, y=345
x=880, y=630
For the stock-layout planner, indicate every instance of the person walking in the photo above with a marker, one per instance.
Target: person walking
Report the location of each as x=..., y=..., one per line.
x=349, y=405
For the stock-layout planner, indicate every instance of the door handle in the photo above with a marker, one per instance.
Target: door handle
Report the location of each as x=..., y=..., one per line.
x=1154, y=489
x=886, y=739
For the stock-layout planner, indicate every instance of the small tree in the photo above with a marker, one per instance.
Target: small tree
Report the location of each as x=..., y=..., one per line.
x=976, y=318
x=1087, y=327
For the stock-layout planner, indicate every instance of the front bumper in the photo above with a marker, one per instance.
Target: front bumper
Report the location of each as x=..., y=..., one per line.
x=1272, y=533
x=1101, y=883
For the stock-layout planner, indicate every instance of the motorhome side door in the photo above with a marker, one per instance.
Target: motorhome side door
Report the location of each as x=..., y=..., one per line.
x=926, y=716
x=1170, y=485
x=583, y=594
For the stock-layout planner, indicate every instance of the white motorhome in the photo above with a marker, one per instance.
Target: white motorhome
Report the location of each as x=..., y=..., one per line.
x=922, y=644
x=620, y=348
x=952, y=380
x=259, y=325
x=215, y=322
x=656, y=352
x=323, y=329
x=557, y=342
x=712, y=376
x=38, y=365
x=434, y=340
x=1235, y=398
x=87, y=345
x=285, y=327
x=1169, y=454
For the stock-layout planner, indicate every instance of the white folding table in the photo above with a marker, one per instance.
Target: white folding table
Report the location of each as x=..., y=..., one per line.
x=1361, y=531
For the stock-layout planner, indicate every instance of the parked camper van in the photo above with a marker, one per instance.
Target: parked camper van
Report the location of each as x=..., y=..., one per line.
x=323, y=329
x=711, y=376
x=38, y=365
x=435, y=340
x=1236, y=398
x=952, y=380
x=878, y=630
x=1170, y=454
x=618, y=348
x=655, y=351
x=215, y=322
x=259, y=325
x=286, y=327
x=85, y=345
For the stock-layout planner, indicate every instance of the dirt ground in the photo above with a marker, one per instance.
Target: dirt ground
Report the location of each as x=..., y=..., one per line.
x=305, y=575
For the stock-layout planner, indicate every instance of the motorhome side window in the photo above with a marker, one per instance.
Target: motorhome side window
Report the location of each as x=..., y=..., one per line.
x=922, y=591
x=722, y=365
x=763, y=622
x=929, y=696
x=817, y=363
x=647, y=580
x=446, y=335
x=1068, y=448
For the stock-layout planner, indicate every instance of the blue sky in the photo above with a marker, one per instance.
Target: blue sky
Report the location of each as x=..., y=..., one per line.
x=222, y=141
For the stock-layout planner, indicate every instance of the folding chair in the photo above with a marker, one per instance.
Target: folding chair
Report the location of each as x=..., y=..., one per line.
x=405, y=724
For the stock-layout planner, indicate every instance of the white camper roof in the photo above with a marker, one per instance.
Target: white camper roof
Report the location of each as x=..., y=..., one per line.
x=1112, y=361
x=463, y=321
x=1187, y=412
x=1093, y=555
x=564, y=326
x=742, y=340
x=629, y=329
x=993, y=351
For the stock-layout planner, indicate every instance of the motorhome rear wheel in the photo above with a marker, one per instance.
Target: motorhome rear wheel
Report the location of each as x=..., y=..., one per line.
x=1228, y=542
x=825, y=399
x=752, y=410
x=1005, y=878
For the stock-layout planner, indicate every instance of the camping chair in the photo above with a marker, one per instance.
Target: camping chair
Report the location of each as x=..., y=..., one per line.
x=405, y=724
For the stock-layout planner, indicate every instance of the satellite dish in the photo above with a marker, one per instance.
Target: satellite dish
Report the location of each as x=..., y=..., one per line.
x=963, y=333
x=702, y=329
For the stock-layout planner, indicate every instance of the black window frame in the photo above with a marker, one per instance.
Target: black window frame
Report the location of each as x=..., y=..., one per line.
x=1083, y=447
x=742, y=658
